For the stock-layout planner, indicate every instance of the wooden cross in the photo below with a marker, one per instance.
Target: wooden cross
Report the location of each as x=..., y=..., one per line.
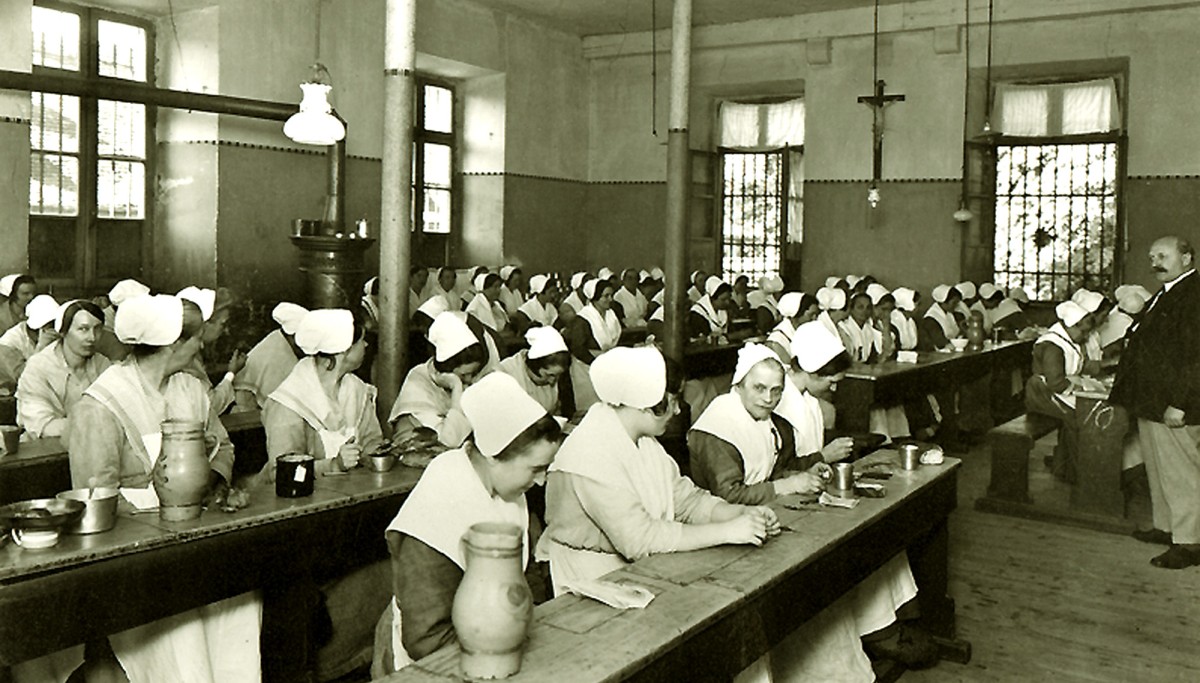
x=877, y=102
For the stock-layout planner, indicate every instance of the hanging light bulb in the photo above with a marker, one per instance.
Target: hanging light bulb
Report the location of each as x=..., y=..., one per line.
x=873, y=195
x=963, y=215
x=315, y=123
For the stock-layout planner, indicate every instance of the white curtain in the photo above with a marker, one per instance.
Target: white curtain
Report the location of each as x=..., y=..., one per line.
x=1054, y=109
x=762, y=127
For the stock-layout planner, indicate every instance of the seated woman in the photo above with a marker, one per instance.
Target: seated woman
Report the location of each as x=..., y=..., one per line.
x=513, y=442
x=56, y=377
x=764, y=304
x=710, y=314
x=550, y=374
x=215, y=313
x=832, y=302
x=739, y=306
x=271, y=360
x=512, y=290
x=614, y=495
x=540, y=308
x=699, y=280
x=794, y=309
x=990, y=297
x=597, y=329
x=16, y=291
x=889, y=420
x=906, y=301
x=633, y=302
x=21, y=341
x=322, y=408
x=858, y=328
x=431, y=396
x=576, y=299
x=1010, y=318
x=1058, y=361
x=938, y=326
x=114, y=439
x=486, y=306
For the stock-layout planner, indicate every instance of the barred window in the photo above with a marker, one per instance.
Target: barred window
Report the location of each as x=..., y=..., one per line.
x=434, y=158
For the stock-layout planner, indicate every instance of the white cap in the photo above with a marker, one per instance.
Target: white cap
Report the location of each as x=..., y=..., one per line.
x=289, y=315
x=326, y=330
x=40, y=311
x=434, y=306
x=449, y=335
x=6, y=284
x=966, y=288
x=941, y=293
x=125, y=290
x=634, y=377
x=205, y=299
x=771, y=284
x=750, y=355
x=852, y=280
x=604, y=273
x=813, y=346
x=537, y=284
x=906, y=299
x=711, y=284
x=643, y=275
x=589, y=288
x=1019, y=294
x=876, y=292
x=987, y=290
x=789, y=304
x=479, y=280
x=151, y=320
x=1070, y=313
x=657, y=273
x=832, y=281
x=577, y=280
x=506, y=272
x=831, y=298
x=1089, y=300
x=498, y=410
x=368, y=284
x=544, y=341
x=1132, y=298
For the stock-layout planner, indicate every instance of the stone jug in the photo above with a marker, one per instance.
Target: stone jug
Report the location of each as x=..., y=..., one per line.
x=182, y=471
x=975, y=334
x=493, y=607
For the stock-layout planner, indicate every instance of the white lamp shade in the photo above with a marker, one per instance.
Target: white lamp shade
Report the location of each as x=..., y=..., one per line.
x=315, y=123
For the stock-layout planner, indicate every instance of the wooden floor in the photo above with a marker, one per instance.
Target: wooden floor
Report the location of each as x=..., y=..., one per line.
x=1042, y=602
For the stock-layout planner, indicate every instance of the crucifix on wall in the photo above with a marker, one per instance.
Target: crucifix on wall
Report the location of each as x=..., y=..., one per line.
x=877, y=102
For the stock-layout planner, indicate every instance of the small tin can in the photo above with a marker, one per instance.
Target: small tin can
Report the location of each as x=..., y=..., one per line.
x=843, y=476
x=910, y=456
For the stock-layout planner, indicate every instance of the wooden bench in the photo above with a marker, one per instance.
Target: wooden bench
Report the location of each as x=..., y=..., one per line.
x=1011, y=444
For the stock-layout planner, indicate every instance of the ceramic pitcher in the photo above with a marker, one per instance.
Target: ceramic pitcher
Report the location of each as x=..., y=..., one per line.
x=493, y=607
x=181, y=473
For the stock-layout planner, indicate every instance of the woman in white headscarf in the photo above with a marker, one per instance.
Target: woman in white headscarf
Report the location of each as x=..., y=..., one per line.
x=20, y=342
x=699, y=279
x=431, y=396
x=902, y=318
x=764, y=303
x=597, y=329
x=550, y=374
x=114, y=439
x=513, y=442
x=794, y=309
x=1058, y=363
x=322, y=408
x=512, y=291
x=271, y=360
x=832, y=302
x=576, y=299
x=485, y=306
x=540, y=309
x=938, y=326
x=629, y=296
x=614, y=496
x=865, y=342
x=710, y=314
x=16, y=291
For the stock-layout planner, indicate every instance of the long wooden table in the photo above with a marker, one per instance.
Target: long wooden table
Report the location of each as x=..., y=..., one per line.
x=892, y=382
x=718, y=610
x=145, y=569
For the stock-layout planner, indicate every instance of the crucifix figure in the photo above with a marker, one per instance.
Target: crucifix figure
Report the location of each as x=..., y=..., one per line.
x=877, y=102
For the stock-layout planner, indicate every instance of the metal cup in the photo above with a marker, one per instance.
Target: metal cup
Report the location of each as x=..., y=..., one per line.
x=12, y=438
x=843, y=476
x=295, y=475
x=910, y=456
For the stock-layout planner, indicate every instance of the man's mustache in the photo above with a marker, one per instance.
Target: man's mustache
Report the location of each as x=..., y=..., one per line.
x=1159, y=269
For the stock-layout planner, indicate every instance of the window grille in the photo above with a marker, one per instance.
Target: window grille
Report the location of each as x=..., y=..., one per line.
x=754, y=215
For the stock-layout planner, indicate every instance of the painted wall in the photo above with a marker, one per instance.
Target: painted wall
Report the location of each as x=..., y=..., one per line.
x=16, y=48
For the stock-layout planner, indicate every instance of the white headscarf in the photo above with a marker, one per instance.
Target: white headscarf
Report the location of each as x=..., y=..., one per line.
x=449, y=335
x=1070, y=313
x=289, y=315
x=6, y=284
x=537, y=284
x=40, y=311
x=498, y=410
x=831, y=299
x=634, y=377
x=326, y=330
x=151, y=320
x=906, y=299
x=789, y=304
x=813, y=345
x=966, y=288
x=544, y=341
x=125, y=290
x=205, y=299
x=1089, y=300
x=750, y=355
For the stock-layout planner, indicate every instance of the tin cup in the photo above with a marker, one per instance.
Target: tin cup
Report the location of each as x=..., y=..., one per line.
x=12, y=438
x=910, y=456
x=295, y=475
x=843, y=477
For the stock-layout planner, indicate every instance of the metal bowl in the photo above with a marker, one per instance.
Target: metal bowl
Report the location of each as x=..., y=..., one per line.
x=100, y=513
x=380, y=462
x=40, y=513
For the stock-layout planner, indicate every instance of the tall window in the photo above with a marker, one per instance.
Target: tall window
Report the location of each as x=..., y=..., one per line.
x=1057, y=187
x=88, y=200
x=433, y=157
x=762, y=180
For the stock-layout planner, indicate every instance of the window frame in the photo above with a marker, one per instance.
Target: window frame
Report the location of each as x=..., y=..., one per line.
x=784, y=198
x=423, y=136
x=87, y=223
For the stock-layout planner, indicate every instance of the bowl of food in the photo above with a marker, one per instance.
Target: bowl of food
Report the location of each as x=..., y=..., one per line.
x=99, y=512
x=959, y=344
x=380, y=461
x=44, y=514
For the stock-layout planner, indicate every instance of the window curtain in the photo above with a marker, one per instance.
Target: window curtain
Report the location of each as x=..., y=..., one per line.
x=1056, y=109
x=795, y=160
x=762, y=127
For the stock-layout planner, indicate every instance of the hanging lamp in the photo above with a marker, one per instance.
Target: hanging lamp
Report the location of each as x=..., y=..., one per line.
x=964, y=214
x=315, y=123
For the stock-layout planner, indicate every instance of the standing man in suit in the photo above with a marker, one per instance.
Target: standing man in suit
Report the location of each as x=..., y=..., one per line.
x=1158, y=382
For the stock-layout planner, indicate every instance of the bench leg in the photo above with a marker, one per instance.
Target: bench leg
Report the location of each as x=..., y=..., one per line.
x=1010, y=468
